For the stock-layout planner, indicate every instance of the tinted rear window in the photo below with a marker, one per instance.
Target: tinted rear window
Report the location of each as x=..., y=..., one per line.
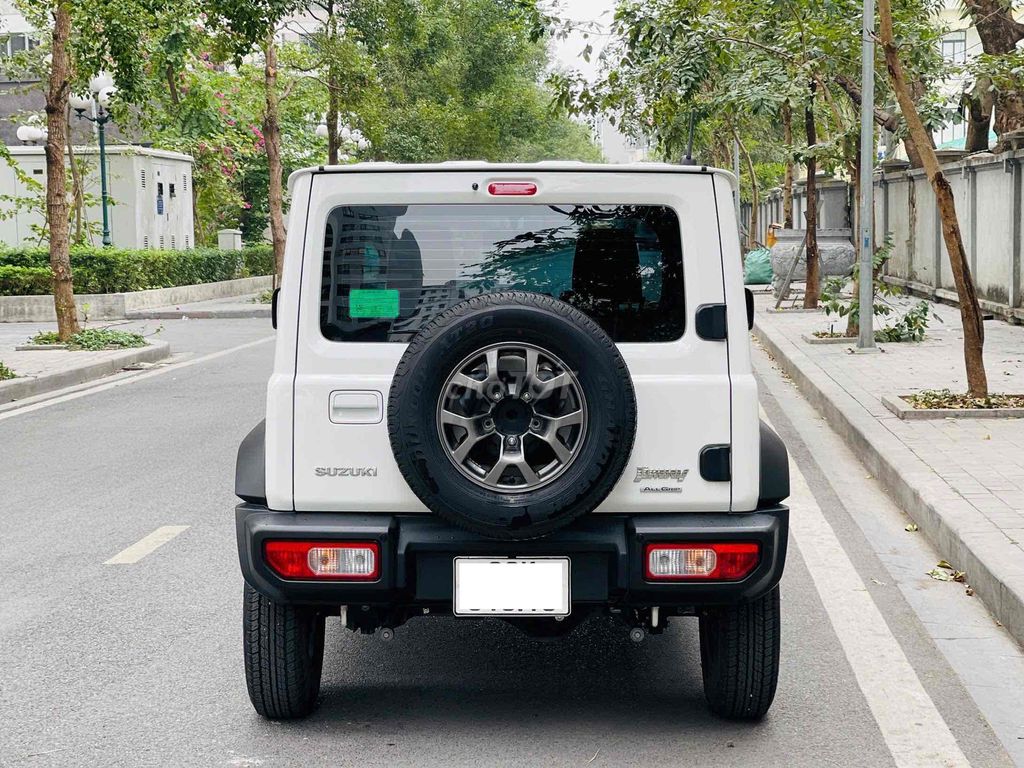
x=388, y=270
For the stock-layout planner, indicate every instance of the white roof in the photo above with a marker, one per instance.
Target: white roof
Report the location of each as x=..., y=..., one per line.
x=486, y=167
x=113, y=149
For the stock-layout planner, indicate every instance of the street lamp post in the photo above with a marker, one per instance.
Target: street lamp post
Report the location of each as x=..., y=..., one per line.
x=102, y=87
x=866, y=298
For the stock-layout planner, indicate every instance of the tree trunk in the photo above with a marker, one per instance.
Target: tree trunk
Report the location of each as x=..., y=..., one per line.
x=970, y=312
x=172, y=85
x=852, y=326
x=332, y=117
x=333, y=92
x=77, y=192
x=886, y=120
x=812, y=289
x=1009, y=117
x=57, y=90
x=787, y=183
x=755, y=197
x=1000, y=33
x=272, y=141
x=979, y=103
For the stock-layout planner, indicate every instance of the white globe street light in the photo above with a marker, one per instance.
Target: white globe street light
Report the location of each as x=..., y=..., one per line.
x=101, y=81
x=30, y=134
x=103, y=90
x=104, y=95
x=80, y=102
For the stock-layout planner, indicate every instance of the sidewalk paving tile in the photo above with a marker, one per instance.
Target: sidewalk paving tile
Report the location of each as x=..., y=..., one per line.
x=972, y=469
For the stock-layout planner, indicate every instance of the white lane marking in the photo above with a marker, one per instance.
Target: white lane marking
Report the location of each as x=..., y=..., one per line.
x=912, y=727
x=141, y=377
x=146, y=545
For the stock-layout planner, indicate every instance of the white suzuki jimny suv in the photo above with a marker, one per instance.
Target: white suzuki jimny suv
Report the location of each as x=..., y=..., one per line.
x=513, y=391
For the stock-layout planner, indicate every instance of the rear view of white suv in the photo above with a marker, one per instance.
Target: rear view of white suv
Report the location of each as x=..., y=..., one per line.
x=521, y=392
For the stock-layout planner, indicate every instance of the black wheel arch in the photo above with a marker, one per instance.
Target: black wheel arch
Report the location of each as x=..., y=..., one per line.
x=251, y=466
x=774, y=469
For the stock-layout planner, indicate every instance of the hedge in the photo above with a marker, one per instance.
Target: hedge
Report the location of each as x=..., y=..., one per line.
x=26, y=271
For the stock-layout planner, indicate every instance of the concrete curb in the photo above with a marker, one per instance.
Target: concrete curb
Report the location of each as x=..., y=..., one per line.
x=118, y=306
x=962, y=535
x=257, y=310
x=21, y=388
x=907, y=412
x=828, y=340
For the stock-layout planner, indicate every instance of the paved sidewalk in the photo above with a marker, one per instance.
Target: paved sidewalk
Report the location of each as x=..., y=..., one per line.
x=42, y=371
x=962, y=480
x=230, y=308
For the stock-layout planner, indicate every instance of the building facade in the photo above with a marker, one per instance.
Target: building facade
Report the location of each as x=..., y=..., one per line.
x=150, y=190
x=150, y=193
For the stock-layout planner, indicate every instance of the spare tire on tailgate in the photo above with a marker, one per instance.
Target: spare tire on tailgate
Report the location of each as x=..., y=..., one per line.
x=512, y=414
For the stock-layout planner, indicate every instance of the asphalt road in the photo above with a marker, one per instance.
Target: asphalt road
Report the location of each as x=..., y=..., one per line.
x=140, y=663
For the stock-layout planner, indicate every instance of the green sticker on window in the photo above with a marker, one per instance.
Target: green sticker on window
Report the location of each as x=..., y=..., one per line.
x=375, y=303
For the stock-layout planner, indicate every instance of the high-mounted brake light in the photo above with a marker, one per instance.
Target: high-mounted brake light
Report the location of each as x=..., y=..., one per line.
x=336, y=560
x=518, y=188
x=727, y=561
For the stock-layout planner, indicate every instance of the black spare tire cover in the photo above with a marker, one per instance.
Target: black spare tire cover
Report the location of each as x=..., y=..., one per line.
x=467, y=375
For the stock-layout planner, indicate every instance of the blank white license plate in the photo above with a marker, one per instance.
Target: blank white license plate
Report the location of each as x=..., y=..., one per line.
x=502, y=586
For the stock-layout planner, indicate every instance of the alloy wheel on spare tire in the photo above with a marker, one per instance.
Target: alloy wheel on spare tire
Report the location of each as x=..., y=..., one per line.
x=512, y=414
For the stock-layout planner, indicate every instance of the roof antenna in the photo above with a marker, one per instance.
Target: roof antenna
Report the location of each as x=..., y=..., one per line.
x=688, y=160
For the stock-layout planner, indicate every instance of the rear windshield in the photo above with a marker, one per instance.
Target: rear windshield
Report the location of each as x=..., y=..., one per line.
x=388, y=270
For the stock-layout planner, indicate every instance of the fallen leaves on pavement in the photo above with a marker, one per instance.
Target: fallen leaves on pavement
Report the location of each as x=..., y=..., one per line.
x=943, y=571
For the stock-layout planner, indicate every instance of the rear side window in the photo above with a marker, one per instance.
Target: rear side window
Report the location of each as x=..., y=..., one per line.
x=388, y=270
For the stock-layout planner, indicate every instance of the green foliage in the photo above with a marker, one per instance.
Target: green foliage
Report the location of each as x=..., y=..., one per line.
x=112, y=270
x=460, y=81
x=94, y=339
x=6, y=373
x=25, y=281
x=910, y=326
x=428, y=80
x=734, y=64
x=107, y=36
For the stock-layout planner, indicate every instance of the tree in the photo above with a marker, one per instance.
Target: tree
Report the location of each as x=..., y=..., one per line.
x=1000, y=33
x=812, y=286
x=786, y=113
x=970, y=311
x=272, y=138
x=85, y=36
x=246, y=24
x=460, y=79
x=58, y=88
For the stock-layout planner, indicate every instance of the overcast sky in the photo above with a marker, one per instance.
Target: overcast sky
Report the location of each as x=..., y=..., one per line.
x=566, y=53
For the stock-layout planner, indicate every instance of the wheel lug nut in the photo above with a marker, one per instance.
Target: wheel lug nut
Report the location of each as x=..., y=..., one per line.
x=527, y=397
x=496, y=394
x=512, y=441
x=488, y=425
x=535, y=424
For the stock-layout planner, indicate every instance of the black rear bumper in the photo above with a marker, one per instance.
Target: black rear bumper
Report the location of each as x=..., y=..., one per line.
x=605, y=551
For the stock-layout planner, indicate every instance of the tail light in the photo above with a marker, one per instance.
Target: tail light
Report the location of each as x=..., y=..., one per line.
x=336, y=560
x=729, y=561
x=515, y=188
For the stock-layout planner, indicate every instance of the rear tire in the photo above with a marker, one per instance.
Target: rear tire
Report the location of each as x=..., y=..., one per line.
x=739, y=654
x=284, y=654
